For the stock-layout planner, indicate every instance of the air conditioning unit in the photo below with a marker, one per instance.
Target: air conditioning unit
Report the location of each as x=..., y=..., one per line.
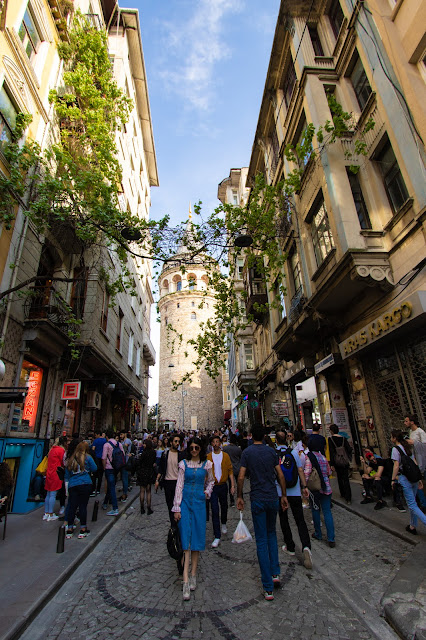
x=94, y=400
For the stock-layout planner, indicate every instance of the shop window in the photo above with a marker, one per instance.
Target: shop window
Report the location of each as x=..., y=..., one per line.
x=359, y=81
x=392, y=177
x=360, y=206
x=104, y=312
x=8, y=113
x=25, y=414
x=289, y=81
x=315, y=39
x=320, y=231
x=336, y=16
x=29, y=34
x=119, y=337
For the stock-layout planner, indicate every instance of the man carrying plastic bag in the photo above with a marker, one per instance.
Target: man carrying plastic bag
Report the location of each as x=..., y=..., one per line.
x=263, y=465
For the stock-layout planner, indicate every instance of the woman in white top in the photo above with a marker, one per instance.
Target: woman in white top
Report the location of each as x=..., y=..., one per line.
x=400, y=445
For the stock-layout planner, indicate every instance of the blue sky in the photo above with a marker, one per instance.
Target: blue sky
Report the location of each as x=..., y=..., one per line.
x=206, y=62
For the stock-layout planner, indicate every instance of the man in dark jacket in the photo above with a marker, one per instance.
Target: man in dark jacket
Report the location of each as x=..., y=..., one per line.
x=318, y=440
x=340, y=458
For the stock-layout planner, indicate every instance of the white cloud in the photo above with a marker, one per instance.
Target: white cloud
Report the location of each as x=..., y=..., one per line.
x=194, y=48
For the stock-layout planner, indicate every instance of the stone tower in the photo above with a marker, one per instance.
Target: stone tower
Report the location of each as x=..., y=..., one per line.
x=197, y=404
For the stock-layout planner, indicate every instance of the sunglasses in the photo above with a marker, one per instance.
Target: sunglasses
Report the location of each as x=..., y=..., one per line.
x=194, y=447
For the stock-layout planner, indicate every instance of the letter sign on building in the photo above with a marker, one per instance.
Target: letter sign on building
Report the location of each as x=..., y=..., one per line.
x=71, y=391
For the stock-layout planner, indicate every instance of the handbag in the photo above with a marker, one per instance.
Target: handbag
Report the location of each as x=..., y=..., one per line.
x=314, y=482
x=174, y=544
x=42, y=467
x=61, y=472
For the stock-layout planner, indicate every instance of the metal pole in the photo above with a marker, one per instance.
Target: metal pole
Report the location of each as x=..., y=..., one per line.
x=183, y=409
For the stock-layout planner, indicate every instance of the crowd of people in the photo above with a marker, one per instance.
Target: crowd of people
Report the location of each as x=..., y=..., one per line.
x=204, y=474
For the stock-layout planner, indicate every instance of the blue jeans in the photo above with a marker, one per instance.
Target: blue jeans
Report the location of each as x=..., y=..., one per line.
x=125, y=479
x=264, y=515
x=110, y=494
x=410, y=490
x=322, y=502
x=49, y=501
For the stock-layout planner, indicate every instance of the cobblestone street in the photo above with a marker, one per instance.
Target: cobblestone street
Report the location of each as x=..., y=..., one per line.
x=129, y=587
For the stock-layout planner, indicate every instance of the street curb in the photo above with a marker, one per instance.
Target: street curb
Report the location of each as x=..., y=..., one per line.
x=401, y=607
x=384, y=527
x=19, y=627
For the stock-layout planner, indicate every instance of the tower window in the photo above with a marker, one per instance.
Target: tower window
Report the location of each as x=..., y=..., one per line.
x=193, y=316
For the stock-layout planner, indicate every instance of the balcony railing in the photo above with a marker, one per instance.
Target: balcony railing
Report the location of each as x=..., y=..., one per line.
x=45, y=303
x=296, y=305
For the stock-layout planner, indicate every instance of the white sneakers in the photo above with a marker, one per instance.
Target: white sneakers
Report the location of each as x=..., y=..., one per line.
x=224, y=529
x=290, y=553
x=193, y=583
x=186, y=591
x=307, y=558
x=61, y=511
x=49, y=517
x=215, y=543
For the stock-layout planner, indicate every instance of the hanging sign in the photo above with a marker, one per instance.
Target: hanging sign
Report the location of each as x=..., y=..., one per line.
x=71, y=391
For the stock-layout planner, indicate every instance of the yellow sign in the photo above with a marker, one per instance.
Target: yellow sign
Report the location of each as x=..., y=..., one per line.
x=376, y=329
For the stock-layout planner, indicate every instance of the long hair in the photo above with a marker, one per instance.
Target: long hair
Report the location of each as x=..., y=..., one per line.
x=77, y=460
x=400, y=438
x=203, y=454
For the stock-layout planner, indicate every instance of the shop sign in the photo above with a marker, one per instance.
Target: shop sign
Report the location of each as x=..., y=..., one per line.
x=279, y=408
x=29, y=413
x=385, y=324
x=71, y=391
x=324, y=363
x=341, y=418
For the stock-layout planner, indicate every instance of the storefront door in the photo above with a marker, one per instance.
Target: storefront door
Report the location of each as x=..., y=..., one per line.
x=396, y=381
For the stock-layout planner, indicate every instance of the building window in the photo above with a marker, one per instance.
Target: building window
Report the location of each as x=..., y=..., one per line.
x=234, y=196
x=316, y=42
x=104, y=313
x=289, y=82
x=178, y=305
x=8, y=114
x=300, y=139
x=279, y=297
x=193, y=316
x=29, y=34
x=392, y=177
x=131, y=346
x=248, y=355
x=119, y=330
x=336, y=16
x=179, y=285
x=192, y=304
x=360, y=206
x=359, y=81
x=192, y=280
x=138, y=360
x=320, y=231
x=140, y=312
x=78, y=293
x=296, y=272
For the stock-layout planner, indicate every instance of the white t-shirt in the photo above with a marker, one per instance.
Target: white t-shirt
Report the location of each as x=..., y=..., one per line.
x=418, y=435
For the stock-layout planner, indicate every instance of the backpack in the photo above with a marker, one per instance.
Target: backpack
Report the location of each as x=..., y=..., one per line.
x=314, y=482
x=289, y=468
x=408, y=467
x=118, y=459
x=341, y=458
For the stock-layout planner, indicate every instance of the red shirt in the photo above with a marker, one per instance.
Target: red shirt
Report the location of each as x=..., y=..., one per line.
x=55, y=459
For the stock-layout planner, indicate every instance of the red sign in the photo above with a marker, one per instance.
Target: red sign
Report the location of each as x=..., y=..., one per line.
x=71, y=391
x=31, y=401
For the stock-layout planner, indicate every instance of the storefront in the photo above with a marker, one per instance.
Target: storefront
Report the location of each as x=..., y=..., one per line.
x=22, y=456
x=386, y=363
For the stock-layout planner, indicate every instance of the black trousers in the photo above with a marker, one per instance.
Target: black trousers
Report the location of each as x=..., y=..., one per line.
x=78, y=499
x=371, y=486
x=169, y=487
x=219, y=505
x=98, y=475
x=295, y=504
x=344, y=484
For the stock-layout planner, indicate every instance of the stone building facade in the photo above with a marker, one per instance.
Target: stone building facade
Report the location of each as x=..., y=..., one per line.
x=349, y=343
x=184, y=303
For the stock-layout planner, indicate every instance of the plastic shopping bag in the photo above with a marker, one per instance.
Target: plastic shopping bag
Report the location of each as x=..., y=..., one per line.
x=241, y=533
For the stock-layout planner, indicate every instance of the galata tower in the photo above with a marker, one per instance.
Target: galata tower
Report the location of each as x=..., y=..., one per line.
x=184, y=303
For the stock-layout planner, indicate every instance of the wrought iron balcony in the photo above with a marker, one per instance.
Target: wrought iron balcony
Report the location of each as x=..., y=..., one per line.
x=296, y=305
x=45, y=303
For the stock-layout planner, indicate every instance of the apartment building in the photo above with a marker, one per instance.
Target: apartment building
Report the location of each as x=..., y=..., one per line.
x=349, y=347
x=107, y=384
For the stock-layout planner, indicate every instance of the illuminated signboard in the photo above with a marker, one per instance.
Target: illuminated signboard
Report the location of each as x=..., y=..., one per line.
x=71, y=391
x=31, y=401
